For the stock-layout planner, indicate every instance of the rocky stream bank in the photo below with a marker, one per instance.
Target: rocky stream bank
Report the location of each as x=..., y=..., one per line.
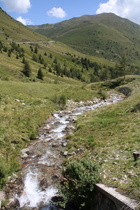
x=41, y=162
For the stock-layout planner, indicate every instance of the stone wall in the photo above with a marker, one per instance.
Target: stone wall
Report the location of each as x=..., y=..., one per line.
x=109, y=199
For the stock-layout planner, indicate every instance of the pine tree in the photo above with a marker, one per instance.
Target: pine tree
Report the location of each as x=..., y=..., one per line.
x=26, y=70
x=40, y=74
x=23, y=60
x=36, y=50
x=122, y=66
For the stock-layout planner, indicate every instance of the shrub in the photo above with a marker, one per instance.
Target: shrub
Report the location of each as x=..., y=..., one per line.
x=125, y=90
x=60, y=101
x=113, y=83
x=81, y=177
x=2, y=176
x=102, y=94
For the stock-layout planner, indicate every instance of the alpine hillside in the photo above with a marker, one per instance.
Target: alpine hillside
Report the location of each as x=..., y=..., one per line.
x=104, y=35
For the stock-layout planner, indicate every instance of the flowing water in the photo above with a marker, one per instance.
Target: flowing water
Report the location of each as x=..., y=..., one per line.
x=41, y=161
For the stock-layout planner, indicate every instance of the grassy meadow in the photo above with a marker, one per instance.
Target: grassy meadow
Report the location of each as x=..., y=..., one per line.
x=110, y=135
x=24, y=107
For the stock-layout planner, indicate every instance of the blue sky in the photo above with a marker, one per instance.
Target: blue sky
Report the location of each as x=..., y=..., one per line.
x=37, y=12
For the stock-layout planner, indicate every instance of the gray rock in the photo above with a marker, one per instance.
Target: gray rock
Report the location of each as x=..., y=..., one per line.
x=43, y=184
x=13, y=204
x=65, y=153
x=2, y=197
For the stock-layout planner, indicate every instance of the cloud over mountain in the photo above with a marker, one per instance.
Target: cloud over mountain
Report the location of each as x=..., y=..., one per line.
x=24, y=21
x=124, y=8
x=57, y=12
x=20, y=6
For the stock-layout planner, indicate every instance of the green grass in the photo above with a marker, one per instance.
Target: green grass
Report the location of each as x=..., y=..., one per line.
x=24, y=107
x=110, y=135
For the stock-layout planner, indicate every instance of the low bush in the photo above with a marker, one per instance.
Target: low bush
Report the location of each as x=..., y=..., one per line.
x=125, y=90
x=81, y=176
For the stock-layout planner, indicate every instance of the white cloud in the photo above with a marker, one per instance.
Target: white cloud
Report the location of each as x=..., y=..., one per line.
x=124, y=8
x=20, y=6
x=24, y=21
x=57, y=12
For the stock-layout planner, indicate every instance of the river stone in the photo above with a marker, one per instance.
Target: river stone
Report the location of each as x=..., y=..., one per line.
x=25, y=152
x=58, y=198
x=43, y=184
x=13, y=204
x=69, y=127
x=64, y=144
x=2, y=197
x=55, y=145
x=65, y=153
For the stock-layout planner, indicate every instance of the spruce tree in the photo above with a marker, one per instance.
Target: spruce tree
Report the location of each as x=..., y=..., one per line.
x=26, y=70
x=40, y=74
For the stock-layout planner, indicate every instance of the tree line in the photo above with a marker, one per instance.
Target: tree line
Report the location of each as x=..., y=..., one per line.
x=80, y=68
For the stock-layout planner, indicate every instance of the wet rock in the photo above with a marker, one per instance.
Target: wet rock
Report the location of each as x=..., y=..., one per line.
x=72, y=118
x=47, y=127
x=12, y=178
x=13, y=204
x=65, y=153
x=2, y=197
x=25, y=153
x=43, y=184
x=64, y=144
x=55, y=145
x=56, y=124
x=55, y=177
x=58, y=198
x=72, y=153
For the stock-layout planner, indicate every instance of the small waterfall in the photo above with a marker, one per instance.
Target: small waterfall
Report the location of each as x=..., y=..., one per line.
x=32, y=196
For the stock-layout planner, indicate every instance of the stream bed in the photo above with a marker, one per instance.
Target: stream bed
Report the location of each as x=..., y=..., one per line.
x=41, y=161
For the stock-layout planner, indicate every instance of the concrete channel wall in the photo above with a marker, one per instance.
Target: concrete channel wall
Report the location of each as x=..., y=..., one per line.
x=109, y=199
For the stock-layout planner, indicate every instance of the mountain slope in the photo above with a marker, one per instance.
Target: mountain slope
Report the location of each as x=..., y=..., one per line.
x=104, y=35
x=12, y=30
x=18, y=43
x=56, y=60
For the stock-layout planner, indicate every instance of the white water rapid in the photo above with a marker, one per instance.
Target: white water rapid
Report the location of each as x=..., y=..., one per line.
x=41, y=162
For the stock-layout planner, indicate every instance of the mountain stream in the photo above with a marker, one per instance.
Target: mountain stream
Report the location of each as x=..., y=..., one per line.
x=41, y=161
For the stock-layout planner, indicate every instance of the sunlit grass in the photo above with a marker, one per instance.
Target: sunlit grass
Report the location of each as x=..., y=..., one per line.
x=110, y=135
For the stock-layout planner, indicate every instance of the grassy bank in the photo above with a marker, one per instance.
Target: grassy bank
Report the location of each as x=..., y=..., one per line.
x=24, y=107
x=110, y=135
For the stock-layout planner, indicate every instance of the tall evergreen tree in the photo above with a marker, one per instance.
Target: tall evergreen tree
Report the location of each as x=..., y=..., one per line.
x=40, y=74
x=36, y=50
x=122, y=66
x=27, y=70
